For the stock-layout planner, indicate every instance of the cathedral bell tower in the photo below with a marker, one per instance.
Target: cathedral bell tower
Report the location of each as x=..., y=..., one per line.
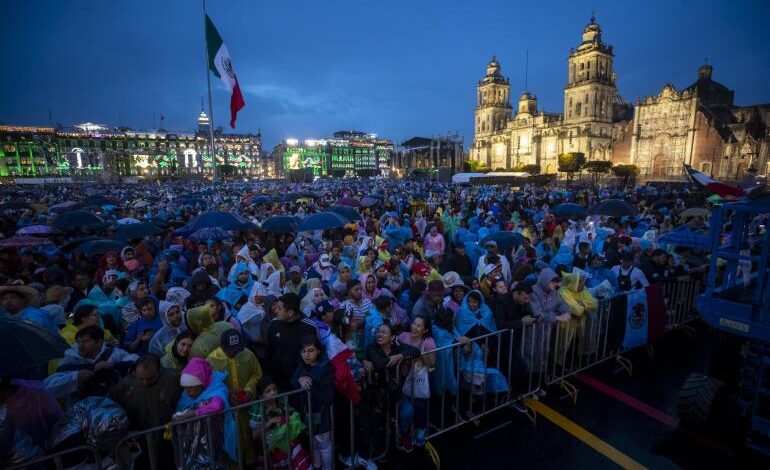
x=590, y=89
x=494, y=101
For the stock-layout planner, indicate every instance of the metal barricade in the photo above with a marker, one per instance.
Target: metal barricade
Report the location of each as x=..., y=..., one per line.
x=266, y=431
x=57, y=460
x=469, y=379
x=679, y=298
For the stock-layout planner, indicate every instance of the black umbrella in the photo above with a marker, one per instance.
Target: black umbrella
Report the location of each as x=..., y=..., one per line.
x=614, y=208
x=346, y=211
x=99, y=247
x=322, y=221
x=505, y=240
x=570, y=210
x=75, y=219
x=132, y=231
x=26, y=345
x=281, y=224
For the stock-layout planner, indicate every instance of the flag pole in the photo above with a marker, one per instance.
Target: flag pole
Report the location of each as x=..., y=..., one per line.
x=211, y=108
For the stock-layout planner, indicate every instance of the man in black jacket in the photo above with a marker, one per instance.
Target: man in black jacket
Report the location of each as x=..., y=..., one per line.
x=458, y=261
x=284, y=339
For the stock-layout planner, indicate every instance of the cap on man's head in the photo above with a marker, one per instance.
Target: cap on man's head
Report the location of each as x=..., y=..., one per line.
x=491, y=243
x=323, y=308
x=232, y=342
x=421, y=269
x=295, y=269
x=324, y=261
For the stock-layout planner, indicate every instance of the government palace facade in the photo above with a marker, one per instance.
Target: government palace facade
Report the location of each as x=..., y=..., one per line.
x=698, y=125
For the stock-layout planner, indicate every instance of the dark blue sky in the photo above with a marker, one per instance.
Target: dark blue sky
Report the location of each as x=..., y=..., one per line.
x=310, y=67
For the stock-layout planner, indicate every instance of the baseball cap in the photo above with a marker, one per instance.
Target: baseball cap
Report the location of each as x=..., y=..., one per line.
x=295, y=269
x=232, y=342
x=324, y=261
x=421, y=269
x=490, y=243
x=323, y=308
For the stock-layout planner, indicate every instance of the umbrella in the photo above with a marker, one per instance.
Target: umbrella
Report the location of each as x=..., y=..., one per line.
x=346, y=211
x=220, y=219
x=281, y=224
x=38, y=230
x=369, y=202
x=24, y=241
x=99, y=247
x=683, y=236
x=141, y=204
x=128, y=220
x=569, y=210
x=64, y=206
x=210, y=233
x=75, y=219
x=669, y=203
x=613, y=207
x=132, y=231
x=505, y=240
x=191, y=201
x=263, y=199
x=349, y=201
x=695, y=212
x=16, y=205
x=103, y=201
x=323, y=221
x=26, y=345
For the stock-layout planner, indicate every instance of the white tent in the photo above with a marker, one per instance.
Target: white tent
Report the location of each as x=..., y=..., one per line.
x=461, y=178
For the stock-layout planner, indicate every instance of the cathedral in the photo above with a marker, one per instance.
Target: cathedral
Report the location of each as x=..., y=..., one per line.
x=698, y=125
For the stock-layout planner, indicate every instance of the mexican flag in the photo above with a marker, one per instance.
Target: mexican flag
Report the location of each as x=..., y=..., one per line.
x=221, y=66
x=713, y=186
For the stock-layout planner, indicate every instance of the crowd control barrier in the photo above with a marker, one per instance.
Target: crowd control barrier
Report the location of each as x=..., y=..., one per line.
x=440, y=390
x=76, y=456
x=280, y=437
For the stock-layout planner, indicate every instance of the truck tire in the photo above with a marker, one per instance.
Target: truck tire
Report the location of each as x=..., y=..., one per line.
x=696, y=401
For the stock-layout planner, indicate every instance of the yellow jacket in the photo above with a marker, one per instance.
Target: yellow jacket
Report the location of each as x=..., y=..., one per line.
x=243, y=370
x=579, y=301
x=70, y=331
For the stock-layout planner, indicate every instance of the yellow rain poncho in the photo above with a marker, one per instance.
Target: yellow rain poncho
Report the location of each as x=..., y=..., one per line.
x=243, y=370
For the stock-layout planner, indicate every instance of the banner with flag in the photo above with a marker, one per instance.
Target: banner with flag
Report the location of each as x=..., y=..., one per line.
x=222, y=67
x=713, y=186
x=637, y=321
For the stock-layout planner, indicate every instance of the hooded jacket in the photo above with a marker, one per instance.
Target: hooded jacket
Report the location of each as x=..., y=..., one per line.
x=198, y=298
x=467, y=318
x=243, y=370
x=544, y=302
x=235, y=294
x=167, y=333
x=580, y=302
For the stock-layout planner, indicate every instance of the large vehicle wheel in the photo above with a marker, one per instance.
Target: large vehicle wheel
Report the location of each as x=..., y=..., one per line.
x=696, y=401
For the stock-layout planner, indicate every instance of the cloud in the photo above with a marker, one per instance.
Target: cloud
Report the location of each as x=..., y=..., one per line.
x=282, y=100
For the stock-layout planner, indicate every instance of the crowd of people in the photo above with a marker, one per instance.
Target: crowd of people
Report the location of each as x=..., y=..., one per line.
x=171, y=327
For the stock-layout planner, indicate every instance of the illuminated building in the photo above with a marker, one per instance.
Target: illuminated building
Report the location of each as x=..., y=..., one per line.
x=430, y=153
x=348, y=153
x=93, y=150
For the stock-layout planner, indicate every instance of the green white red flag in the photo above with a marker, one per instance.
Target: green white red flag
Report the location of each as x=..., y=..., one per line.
x=221, y=66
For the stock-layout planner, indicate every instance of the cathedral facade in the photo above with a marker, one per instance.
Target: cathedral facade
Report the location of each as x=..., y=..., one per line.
x=699, y=125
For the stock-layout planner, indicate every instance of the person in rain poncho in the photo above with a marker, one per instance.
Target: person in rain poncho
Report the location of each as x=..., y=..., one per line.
x=582, y=305
x=240, y=283
x=205, y=393
x=242, y=367
x=243, y=256
x=475, y=319
x=208, y=333
x=171, y=315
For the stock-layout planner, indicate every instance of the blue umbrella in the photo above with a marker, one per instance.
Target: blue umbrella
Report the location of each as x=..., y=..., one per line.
x=346, y=211
x=191, y=201
x=98, y=247
x=281, y=224
x=75, y=219
x=569, y=210
x=26, y=345
x=263, y=199
x=505, y=240
x=322, y=221
x=221, y=219
x=370, y=202
x=210, y=233
x=683, y=236
x=132, y=231
x=614, y=208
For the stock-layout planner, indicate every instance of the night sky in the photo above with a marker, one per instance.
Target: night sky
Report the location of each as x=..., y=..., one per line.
x=395, y=68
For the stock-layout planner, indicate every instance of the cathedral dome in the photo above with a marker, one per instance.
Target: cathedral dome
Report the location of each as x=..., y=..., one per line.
x=592, y=31
x=493, y=68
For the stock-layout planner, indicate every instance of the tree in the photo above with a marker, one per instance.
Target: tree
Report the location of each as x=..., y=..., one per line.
x=597, y=167
x=475, y=166
x=627, y=172
x=532, y=169
x=571, y=163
